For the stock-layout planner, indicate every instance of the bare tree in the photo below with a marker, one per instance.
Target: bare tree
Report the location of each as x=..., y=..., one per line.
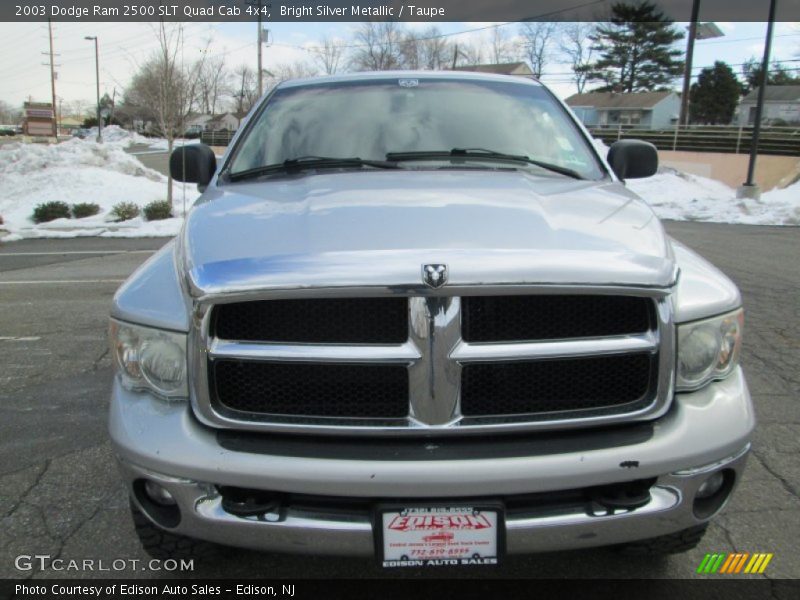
x=379, y=46
x=246, y=88
x=503, y=47
x=467, y=54
x=214, y=81
x=432, y=50
x=537, y=38
x=167, y=85
x=329, y=55
x=8, y=114
x=409, y=56
x=295, y=70
x=576, y=45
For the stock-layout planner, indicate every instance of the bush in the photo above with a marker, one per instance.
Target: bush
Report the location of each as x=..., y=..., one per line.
x=160, y=209
x=85, y=209
x=124, y=211
x=49, y=211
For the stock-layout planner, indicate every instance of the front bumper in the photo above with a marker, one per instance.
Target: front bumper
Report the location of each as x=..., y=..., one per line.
x=704, y=431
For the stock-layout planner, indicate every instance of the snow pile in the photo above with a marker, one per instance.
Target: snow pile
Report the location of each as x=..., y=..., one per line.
x=683, y=197
x=114, y=134
x=81, y=171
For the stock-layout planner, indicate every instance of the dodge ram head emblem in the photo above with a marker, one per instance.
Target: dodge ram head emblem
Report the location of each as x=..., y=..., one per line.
x=434, y=276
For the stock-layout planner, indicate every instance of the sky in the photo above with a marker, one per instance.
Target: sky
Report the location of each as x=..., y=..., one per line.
x=123, y=46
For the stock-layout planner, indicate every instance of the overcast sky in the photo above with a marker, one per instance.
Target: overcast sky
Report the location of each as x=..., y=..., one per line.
x=124, y=45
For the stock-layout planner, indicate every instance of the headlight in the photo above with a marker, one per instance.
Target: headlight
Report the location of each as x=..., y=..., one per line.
x=150, y=359
x=708, y=349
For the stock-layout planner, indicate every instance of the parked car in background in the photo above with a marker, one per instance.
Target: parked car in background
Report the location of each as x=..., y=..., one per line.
x=8, y=130
x=414, y=301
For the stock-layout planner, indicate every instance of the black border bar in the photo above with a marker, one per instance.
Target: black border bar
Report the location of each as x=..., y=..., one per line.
x=377, y=10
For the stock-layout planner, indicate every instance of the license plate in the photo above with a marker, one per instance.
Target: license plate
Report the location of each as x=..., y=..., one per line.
x=431, y=536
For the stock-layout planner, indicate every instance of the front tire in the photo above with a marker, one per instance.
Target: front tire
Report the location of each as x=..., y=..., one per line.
x=161, y=544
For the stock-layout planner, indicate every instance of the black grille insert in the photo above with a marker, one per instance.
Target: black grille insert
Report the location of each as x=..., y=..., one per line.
x=607, y=384
x=314, y=320
x=356, y=391
x=520, y=318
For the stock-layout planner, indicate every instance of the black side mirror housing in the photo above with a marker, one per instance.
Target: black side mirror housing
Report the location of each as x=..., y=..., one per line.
x=193, y=163
x=633, y=159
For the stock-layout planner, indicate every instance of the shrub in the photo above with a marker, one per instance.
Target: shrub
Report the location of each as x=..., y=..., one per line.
x=124, y=211
x=50, y=211
x=160, y=209
x=85, y=209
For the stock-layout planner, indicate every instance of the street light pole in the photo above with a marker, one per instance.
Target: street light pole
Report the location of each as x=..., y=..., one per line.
x=97, y=72
x=749, y=189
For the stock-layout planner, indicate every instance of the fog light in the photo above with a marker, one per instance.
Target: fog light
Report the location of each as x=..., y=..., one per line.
x=158, y=494
x=711, y=485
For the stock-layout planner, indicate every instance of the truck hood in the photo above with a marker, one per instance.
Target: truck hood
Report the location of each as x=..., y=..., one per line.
x=377, y=228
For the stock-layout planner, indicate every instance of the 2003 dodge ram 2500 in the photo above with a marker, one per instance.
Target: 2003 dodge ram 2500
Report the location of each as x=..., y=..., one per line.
x=417, y=316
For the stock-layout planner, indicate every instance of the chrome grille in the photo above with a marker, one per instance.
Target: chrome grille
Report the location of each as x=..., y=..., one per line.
x=314, y=320
x=567, y=372
x=593, y=385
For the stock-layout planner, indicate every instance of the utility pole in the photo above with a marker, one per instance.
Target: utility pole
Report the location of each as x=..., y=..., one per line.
x=97, y=74
x=687, y=74
x=260, y=58
x=749, y=189
x=53, y=78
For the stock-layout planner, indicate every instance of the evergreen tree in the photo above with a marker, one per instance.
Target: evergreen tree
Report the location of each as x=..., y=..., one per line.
x=636, y=49
x=714, y=97
x=778, y=75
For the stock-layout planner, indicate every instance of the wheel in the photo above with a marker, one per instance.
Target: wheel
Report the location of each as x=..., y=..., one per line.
x=161, y=544
x=673, y=543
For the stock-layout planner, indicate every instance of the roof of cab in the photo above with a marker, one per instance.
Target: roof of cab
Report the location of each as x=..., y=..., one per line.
x=381, y=75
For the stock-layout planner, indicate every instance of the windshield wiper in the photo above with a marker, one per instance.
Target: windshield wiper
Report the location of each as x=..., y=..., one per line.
x=481, y=154
x=301, y=163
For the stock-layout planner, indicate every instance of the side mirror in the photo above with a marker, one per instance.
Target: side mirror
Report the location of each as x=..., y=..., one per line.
x=193, y=163
x=633, y=159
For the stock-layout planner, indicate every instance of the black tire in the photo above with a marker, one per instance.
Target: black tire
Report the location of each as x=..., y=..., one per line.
x=673, y=543
x=161, y=544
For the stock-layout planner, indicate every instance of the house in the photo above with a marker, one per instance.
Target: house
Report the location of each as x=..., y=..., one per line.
x=781, y=105
x=224, y=122
x=196, y=123
x=66, y=125
x=520, y=69
x=648, y=110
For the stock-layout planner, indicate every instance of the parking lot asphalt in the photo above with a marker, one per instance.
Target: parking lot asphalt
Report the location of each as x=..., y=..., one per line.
x=60, y=494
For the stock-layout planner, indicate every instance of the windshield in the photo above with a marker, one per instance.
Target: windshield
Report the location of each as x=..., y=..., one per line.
x=370, y=119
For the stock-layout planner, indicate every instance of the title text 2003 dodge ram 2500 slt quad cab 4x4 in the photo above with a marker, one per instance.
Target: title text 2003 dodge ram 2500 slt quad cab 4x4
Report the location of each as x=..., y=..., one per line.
x=417, y=316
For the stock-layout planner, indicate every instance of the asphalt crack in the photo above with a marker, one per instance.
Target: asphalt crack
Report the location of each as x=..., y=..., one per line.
x=786, y=485
x=37, y=480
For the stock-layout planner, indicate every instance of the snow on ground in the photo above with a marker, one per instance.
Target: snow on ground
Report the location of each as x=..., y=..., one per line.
x=683, y=197
x=82, y=171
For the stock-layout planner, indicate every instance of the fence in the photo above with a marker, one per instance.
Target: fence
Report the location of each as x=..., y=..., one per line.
x=217, y=138
x=783, y=141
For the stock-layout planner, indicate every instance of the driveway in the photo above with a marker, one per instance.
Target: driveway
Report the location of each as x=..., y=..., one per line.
x=59, y=490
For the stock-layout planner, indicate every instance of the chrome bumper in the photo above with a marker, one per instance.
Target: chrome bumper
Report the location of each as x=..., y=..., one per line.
x=704, y=431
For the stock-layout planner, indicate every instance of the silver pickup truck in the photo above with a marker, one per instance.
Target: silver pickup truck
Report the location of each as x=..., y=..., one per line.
x=418, y=316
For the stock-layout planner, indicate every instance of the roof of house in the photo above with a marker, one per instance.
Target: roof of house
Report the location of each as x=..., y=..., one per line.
x=775, y=93
x=513, y=68
x=640, y=100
